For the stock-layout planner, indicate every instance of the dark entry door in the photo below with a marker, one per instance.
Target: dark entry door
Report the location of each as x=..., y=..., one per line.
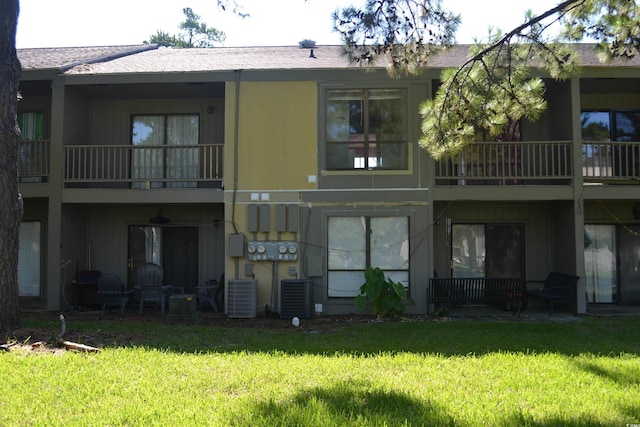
x=629, y=253
x=180, y=257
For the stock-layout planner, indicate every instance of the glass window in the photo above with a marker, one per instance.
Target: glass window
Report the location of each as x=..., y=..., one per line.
x=356, y=243
x=31, y=125
x=487, y=250
x=616, y=125
x=596, y=126
x=366, y=129
x=29, y=259
x=627, y=125
x=468, y=250
x=165, y=162
x=600, y=263
x=611, y=143
x=33, y=154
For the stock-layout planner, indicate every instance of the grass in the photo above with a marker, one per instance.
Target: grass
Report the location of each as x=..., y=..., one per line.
x=458, y=373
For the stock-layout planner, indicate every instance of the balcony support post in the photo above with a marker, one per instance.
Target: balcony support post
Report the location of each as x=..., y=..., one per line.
x=578, y=194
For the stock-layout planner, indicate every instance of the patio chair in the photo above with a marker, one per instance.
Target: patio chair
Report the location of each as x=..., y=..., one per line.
x=113, y=292
x=211, y=292
x=152, y=288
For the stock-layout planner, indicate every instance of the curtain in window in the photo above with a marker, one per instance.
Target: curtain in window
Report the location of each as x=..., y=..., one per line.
x=153, y=244
x=165, y=160
x=600, y=263
x=183, y=162
x=31, y=125
x=347, y=255
x=29, y=259
x=487, y=250
x=148, y=163
x=33, y=155
x=468, y=251
x=390, y=247
x=358, y=242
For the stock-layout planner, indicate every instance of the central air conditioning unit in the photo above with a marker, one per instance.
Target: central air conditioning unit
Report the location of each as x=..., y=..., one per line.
x=242, y=298
x=296, y=298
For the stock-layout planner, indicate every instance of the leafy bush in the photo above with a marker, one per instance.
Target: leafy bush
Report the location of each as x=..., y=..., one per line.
x=386, y=296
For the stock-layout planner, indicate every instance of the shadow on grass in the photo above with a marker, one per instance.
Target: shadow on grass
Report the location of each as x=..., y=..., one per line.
x=627, y=375
x=351, y=403
x=357, y=403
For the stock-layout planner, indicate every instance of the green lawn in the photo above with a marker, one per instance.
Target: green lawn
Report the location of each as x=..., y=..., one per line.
x=461, y=373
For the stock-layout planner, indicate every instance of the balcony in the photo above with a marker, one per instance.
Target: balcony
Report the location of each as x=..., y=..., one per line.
x=33, y=161
x=508, y=163
x=611, y=162
x=201, y=166
x=143, y=166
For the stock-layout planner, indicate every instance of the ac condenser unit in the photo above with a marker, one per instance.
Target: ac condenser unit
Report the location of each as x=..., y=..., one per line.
x=296, y=298
x=242, y=298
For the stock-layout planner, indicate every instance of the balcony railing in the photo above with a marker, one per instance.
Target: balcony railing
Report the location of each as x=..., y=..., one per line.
x=611, y=161
x=508, y=163
x=143, y=166
x=482, y=163
x=33, y=161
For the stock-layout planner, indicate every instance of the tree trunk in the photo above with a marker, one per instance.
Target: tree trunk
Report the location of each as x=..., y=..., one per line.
x=10, y=200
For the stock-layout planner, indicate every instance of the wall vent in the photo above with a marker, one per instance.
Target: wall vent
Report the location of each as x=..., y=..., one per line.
x=296, y=298
x=242, y=298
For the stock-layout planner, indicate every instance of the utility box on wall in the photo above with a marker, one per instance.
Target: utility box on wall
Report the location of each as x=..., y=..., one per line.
x=296, y=298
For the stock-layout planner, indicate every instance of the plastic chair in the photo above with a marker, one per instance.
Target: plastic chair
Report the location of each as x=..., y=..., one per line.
x=210, y=292
x=113, y=292
x=151, y=286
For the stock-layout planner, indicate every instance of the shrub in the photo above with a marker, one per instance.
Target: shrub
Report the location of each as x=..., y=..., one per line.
x=385, y=296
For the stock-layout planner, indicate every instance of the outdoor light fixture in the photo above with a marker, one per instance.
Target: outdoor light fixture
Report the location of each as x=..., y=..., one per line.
x=159, y=218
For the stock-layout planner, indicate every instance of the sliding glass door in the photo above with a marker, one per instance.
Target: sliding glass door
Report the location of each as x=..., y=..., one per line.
x=29, y=259
x=161, y=158
x=174, y=248
x=600, y=262
x=487, y=250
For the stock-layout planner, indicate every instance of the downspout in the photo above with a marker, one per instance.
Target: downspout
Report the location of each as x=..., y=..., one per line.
x=236, y=127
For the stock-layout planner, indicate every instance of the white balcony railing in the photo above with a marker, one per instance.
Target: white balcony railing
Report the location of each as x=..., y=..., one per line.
x=508, y=163
x=611, y=161
x=147, y=166
x=33, y=161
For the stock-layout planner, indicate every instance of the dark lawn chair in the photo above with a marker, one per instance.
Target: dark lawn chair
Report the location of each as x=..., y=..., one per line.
x=557, y=289
x=113, y=292
x=152, y=288
x=212, y=292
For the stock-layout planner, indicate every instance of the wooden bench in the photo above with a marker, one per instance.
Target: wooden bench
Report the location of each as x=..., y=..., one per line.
x=558, y=288
x=505, y=293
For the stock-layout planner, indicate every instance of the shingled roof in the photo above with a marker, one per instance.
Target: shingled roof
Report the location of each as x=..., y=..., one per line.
x=63, y=58
x=151, y=59
x=171, y=60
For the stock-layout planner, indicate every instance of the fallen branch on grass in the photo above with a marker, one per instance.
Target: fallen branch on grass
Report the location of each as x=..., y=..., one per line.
x=72, y=345
x=78, y=347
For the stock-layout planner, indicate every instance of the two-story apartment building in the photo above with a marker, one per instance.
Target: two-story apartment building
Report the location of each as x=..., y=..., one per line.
x=280, y=163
